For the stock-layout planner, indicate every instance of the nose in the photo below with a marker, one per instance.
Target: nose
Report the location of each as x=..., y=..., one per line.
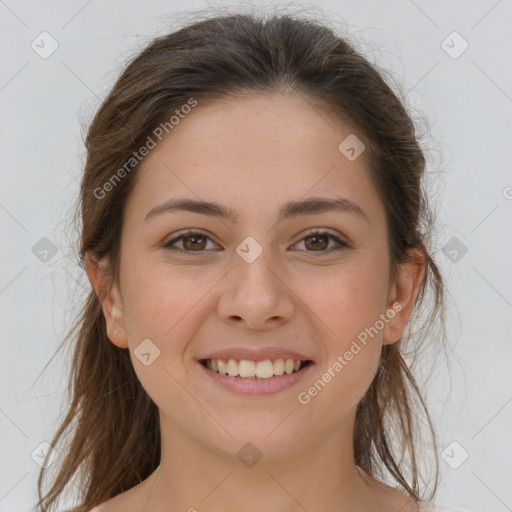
x=257, y=295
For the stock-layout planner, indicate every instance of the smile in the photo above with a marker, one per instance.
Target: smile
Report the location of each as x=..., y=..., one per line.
x=256, y=377
x=254, y=369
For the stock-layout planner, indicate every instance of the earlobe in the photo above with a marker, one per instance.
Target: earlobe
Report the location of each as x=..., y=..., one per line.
x=110, y=299
x=403, y=295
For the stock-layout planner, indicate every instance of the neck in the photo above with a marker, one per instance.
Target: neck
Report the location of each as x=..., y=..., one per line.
x=320, y=474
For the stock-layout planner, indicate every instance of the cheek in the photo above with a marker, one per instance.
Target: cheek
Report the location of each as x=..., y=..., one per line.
x=349, y=305
x=163, y=308
x=348, y=300
x=164, y=305
x=155, y=293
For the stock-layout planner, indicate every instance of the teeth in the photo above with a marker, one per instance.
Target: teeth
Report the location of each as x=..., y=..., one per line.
x=288, y=366
x=223, y=366
x=279, y=367
x=232, y=368
x=251, y=369
x=264, y=369
x=248, y=369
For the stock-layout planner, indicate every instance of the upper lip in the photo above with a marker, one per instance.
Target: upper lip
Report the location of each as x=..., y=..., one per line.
x=257, y=354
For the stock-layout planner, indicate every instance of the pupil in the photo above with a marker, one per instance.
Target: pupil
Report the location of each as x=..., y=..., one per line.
x=317, y=237
x=194, y=244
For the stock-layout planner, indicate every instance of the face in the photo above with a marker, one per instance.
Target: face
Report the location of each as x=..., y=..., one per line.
x=257, y=285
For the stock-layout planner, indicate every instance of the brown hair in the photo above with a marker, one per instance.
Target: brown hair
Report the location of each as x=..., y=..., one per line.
x=115, y=441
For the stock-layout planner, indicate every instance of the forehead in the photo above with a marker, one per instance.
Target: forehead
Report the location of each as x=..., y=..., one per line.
x=251, y=152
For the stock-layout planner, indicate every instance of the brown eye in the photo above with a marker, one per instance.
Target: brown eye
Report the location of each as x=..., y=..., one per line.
x=318, y=242
x=191, y=241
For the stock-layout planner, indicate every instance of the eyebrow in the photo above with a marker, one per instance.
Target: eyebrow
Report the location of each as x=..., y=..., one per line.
x=313, y=205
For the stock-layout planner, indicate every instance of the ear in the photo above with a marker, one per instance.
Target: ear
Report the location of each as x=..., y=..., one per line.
x=110, y=298
x=402, y=295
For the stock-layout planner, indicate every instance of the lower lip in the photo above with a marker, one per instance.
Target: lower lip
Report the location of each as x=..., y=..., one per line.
x=258, y=387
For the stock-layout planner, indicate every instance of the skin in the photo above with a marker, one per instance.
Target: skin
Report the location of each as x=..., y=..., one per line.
x=254, y=154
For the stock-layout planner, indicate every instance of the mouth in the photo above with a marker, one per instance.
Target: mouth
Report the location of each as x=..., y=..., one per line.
x=248, y=377
x=255, y=370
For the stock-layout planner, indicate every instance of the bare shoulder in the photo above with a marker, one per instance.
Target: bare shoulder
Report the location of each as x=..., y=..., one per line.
x=395, y=500
x=386, y=498
x=132, y=500
x=430, y=507
x=128, y=501
x=400, y=502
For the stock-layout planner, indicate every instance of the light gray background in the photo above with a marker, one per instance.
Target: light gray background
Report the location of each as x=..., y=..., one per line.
x=468, y=101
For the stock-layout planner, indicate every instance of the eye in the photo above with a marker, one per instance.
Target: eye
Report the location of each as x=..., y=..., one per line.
x=196, y=241
x=319, y=240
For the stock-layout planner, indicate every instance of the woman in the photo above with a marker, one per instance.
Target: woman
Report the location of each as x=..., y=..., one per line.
x=255, y=235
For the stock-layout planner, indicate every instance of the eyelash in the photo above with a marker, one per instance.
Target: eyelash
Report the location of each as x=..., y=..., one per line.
x=191, y=233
